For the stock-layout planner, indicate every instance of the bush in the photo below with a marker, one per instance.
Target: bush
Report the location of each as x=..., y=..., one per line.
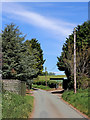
x=41, y=87
x=51, y=84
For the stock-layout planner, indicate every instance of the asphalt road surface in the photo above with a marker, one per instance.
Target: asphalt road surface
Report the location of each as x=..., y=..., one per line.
x=48, y=105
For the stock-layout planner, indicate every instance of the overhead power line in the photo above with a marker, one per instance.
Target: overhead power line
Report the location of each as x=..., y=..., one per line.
x=52, y=68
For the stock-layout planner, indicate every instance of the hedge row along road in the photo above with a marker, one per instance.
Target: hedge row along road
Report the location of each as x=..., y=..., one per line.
x=48, y=105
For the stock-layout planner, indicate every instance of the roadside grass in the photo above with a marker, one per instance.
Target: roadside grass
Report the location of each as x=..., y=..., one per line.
x=16, y=106
x=41, y=87
x=78, y=100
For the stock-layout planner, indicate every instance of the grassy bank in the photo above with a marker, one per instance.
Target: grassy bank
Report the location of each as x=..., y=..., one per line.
x=41, y=87
x=16, y=106
x=78, y=100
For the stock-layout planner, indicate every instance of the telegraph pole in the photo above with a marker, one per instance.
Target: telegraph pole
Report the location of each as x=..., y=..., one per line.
x=46, y=75
x=74, y=60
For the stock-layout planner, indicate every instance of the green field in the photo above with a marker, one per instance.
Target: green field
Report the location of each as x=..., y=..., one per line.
x=78, y=100
x=48, y=77
x=16, y=106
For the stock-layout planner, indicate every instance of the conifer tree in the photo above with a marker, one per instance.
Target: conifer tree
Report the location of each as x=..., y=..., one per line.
x=65, y=61
x=21, y=60
x=11, y=48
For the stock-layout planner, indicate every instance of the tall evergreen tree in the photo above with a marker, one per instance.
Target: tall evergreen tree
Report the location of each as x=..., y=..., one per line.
x=37, y=52
x=65, y=61
x=11, y=48
x=21, y=60
x=29, y=62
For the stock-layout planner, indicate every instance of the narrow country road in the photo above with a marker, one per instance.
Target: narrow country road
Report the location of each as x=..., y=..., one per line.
x=48, y=105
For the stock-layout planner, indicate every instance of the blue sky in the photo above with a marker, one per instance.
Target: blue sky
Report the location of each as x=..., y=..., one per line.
x=50, y=23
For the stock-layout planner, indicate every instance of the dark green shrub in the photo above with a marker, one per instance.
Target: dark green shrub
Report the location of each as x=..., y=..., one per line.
x=51, y=84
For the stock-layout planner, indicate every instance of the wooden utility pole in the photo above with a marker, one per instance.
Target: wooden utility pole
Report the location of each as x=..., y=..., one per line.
x=46, y=75
x=74, y=60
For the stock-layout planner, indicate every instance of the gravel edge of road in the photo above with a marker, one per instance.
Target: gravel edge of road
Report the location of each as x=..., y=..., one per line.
x=31, y=114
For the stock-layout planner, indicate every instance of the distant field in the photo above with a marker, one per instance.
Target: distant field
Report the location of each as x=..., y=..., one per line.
x=52, y=76
x=48, y=77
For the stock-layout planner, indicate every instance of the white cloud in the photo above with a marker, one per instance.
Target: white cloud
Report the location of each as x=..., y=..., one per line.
x=58, y=27
x=45, y=0
x=58, y=73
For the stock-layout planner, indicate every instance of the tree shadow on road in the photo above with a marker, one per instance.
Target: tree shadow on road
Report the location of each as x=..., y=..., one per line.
x=57, y=92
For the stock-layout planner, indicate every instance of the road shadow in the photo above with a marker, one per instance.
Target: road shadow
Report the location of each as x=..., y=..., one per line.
x=35, y=88
x=57, y=92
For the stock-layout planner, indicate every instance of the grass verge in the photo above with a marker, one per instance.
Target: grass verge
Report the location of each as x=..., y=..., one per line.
x=78, y=100
x=16, y=106
x=41, y=87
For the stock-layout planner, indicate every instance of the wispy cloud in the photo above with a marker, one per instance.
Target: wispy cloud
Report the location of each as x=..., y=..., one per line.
x=44, y=1
x=56, y=26
x=58, y=73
